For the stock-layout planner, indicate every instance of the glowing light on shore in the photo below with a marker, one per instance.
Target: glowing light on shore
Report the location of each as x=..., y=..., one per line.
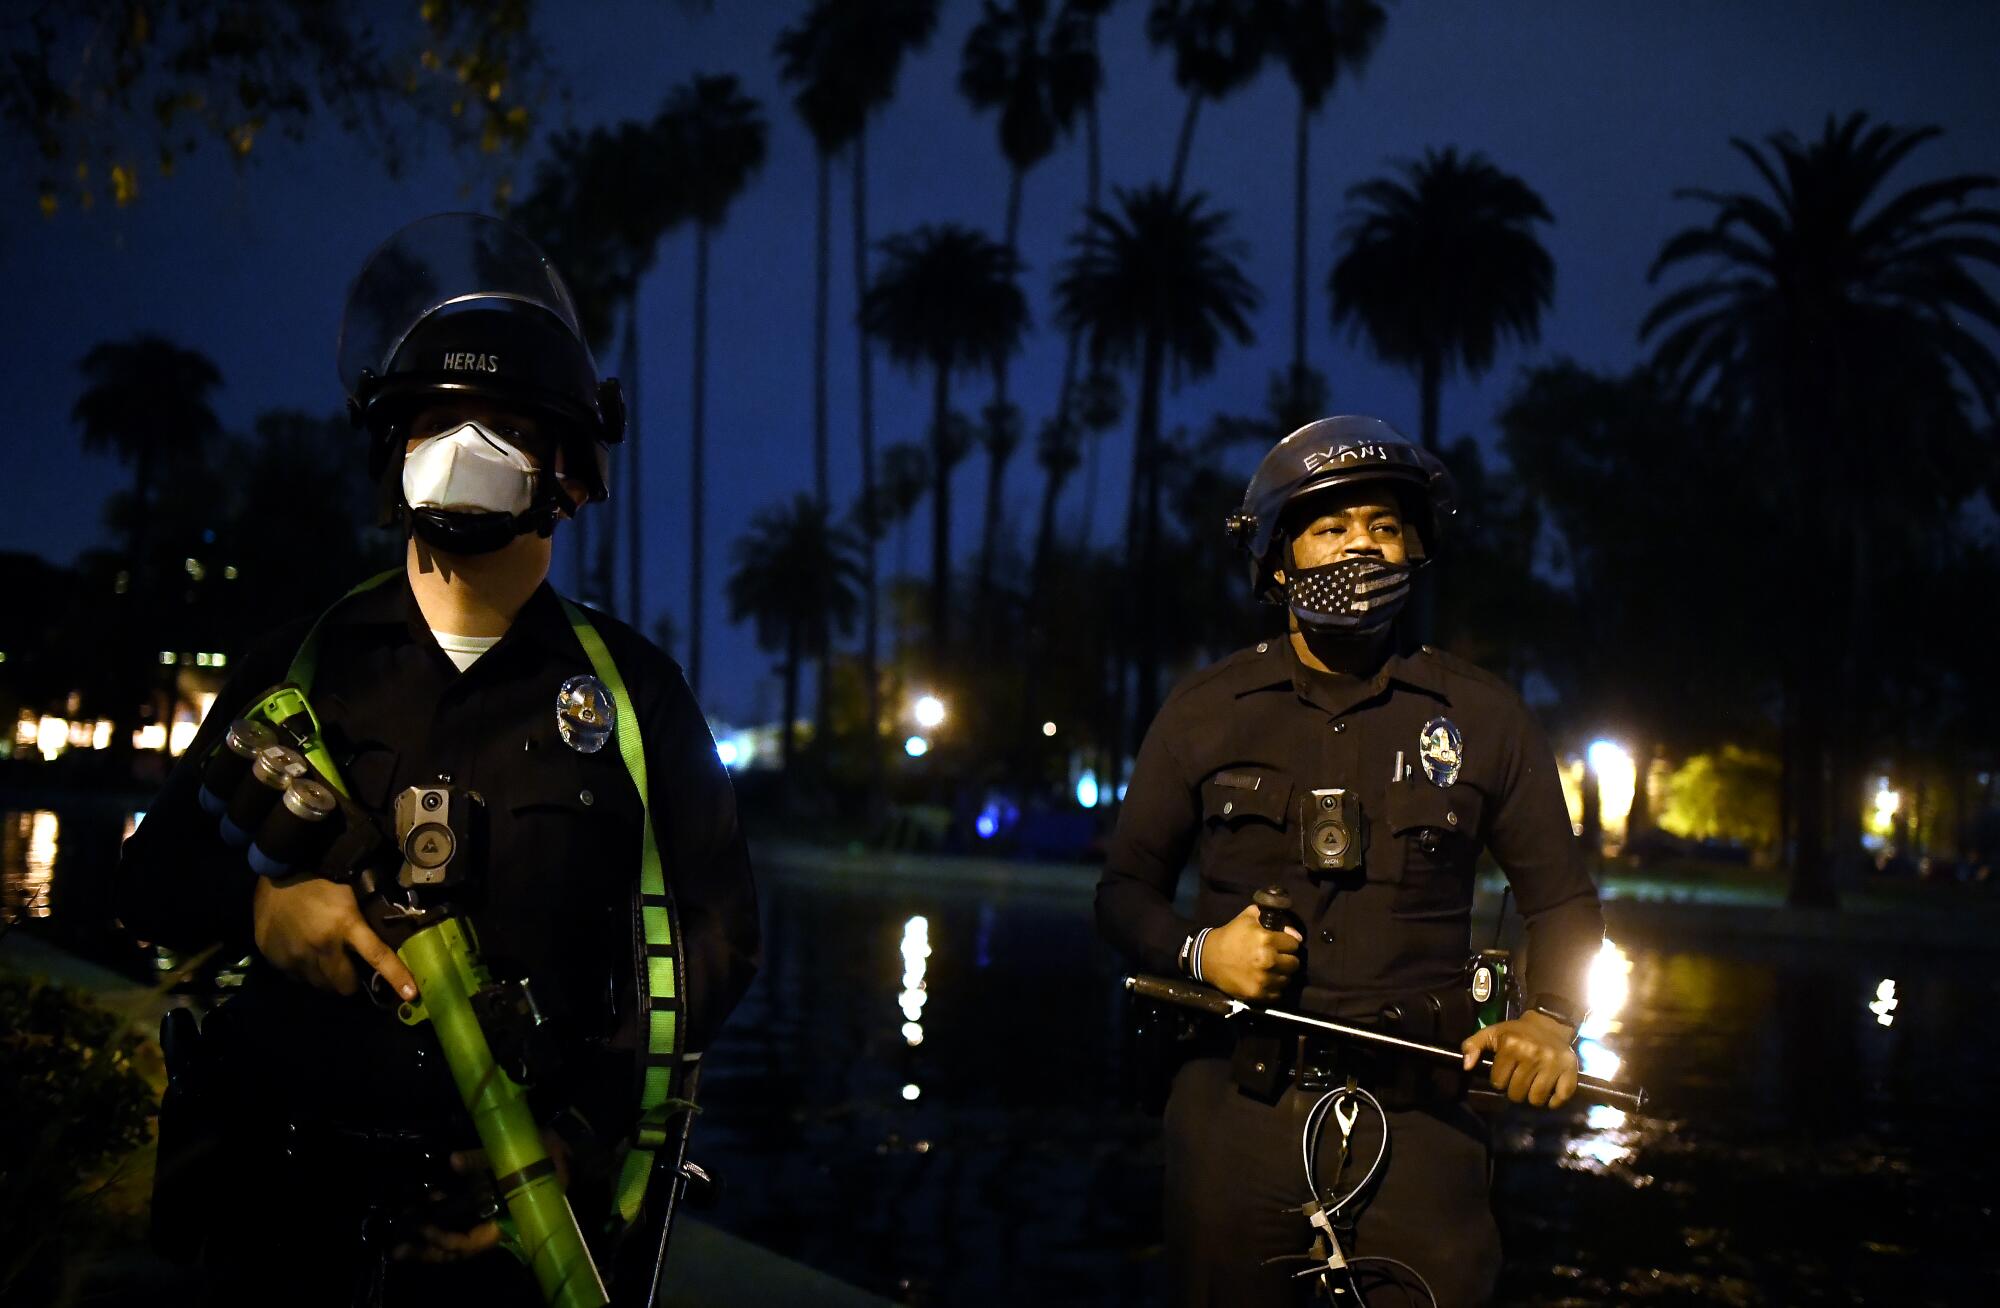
x=929, y=712
x=1887, y=804
x=1086, y=789
x=1617, y=780
x=1884, y=1004
x=910, y=1093
x=51, y=736
x=916, y=747
x=1048, y=728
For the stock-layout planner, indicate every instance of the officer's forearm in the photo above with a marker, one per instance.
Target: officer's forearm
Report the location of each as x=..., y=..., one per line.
x=1562, y=942
x=1140, y=923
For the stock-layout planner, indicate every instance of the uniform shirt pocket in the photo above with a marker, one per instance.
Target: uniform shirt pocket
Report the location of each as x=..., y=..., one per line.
x=1247, y=826
x=1436, y=834
x=564, y=857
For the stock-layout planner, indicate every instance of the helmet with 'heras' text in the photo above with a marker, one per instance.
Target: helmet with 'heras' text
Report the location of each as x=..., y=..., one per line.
x=1340, y=451
x=464, y=307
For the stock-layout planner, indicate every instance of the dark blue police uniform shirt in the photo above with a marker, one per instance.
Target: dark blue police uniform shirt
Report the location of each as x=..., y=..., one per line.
x=554, y=879
x=1220, y=776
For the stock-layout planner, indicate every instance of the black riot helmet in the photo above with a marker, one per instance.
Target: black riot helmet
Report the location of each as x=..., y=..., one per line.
x=1332, y=452
x=462, y=304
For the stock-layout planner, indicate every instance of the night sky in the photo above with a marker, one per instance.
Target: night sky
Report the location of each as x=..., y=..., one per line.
x=1604, y=109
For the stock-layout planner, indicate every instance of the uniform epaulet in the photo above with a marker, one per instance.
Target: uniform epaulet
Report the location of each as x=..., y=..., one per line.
x=1244, y=658
x=1466, y=670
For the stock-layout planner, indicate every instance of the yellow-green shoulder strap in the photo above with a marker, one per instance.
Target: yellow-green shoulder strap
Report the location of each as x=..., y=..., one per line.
x=306, y=662
x=660, y=1060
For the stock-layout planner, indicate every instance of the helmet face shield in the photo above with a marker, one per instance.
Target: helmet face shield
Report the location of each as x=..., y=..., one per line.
x=436, y=263
x=460, y=307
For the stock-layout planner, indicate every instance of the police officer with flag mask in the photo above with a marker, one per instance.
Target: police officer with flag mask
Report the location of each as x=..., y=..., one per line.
x=580, y=825
x=1359, y=777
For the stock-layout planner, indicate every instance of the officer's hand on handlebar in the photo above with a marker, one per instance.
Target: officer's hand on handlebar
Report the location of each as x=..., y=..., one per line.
x=1533, y=1062
x=306, y=928
x=1241, y=958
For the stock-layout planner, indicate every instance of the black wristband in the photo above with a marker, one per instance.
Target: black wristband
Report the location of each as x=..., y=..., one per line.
x=1560, y=1008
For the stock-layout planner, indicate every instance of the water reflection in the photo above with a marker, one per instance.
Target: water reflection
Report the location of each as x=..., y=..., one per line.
x=29, y=859
x=916, y=957
x=981, y=1151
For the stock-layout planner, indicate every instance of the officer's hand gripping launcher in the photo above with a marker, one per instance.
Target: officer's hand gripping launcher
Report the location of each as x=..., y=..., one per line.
x=415, y=915
x=273, y=777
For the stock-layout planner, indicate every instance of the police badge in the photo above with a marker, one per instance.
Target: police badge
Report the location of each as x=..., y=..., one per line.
x=585, y=714
x=1442, y=749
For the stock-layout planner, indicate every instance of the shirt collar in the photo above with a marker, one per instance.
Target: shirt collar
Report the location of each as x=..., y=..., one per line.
x=541, y=620
x=1276, y=667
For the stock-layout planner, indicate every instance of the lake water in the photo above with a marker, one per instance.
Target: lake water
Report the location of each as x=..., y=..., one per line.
x=923, y=1094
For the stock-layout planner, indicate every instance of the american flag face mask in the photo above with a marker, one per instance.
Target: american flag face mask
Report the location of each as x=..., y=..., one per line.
x=1355, y=596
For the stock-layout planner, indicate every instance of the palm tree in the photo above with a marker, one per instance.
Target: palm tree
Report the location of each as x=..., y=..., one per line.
x=1218, y=46
x=948, y=300
x=1093, y=407
x=714, y=137
x=1829, y=316
x=1437, y=267
x=1038, y=74
x=795, y=577
x=1155, y=285
x=598, y=207
x=145, y=401
x=1318, y=40
x=906, y=475
x=845, y=57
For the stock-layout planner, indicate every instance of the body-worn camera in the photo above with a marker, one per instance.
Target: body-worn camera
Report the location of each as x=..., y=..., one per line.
x=1333, y=834
x=433, y=831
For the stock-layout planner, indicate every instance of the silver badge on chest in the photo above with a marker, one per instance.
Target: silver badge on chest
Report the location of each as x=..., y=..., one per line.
x=1442, y=749
x=585, y=714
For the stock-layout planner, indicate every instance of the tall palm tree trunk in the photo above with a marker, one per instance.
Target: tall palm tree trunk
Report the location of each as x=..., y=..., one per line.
x=698, y=458
x=940, y=517
x=1186, y=142
x=871, y=631
x=1299, y=244
x=1424, y=613
x=1430, y=381
x=794, y=643
x=1148, y=589
x=1093, y=172
x=822, y=265
x=823, y=238
x=628, y=364
x=996, y=466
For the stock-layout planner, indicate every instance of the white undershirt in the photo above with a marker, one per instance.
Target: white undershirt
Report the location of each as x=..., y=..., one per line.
x=464, y=650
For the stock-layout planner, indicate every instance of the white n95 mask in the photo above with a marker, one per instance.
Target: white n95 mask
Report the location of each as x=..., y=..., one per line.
x=469, y=469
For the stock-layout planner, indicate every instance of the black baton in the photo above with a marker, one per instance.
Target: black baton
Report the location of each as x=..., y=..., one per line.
x=1206, y=999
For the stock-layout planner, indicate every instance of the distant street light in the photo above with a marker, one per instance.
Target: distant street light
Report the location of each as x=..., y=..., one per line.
x=929, y=712
x=916, y=747
x=1048, y=728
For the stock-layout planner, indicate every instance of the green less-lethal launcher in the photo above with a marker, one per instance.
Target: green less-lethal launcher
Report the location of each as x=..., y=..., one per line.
x=444, y=958
x=445, y=961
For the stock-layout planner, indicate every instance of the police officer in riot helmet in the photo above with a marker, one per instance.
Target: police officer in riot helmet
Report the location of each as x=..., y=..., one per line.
x=341, y=1166
x=1358, y=776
